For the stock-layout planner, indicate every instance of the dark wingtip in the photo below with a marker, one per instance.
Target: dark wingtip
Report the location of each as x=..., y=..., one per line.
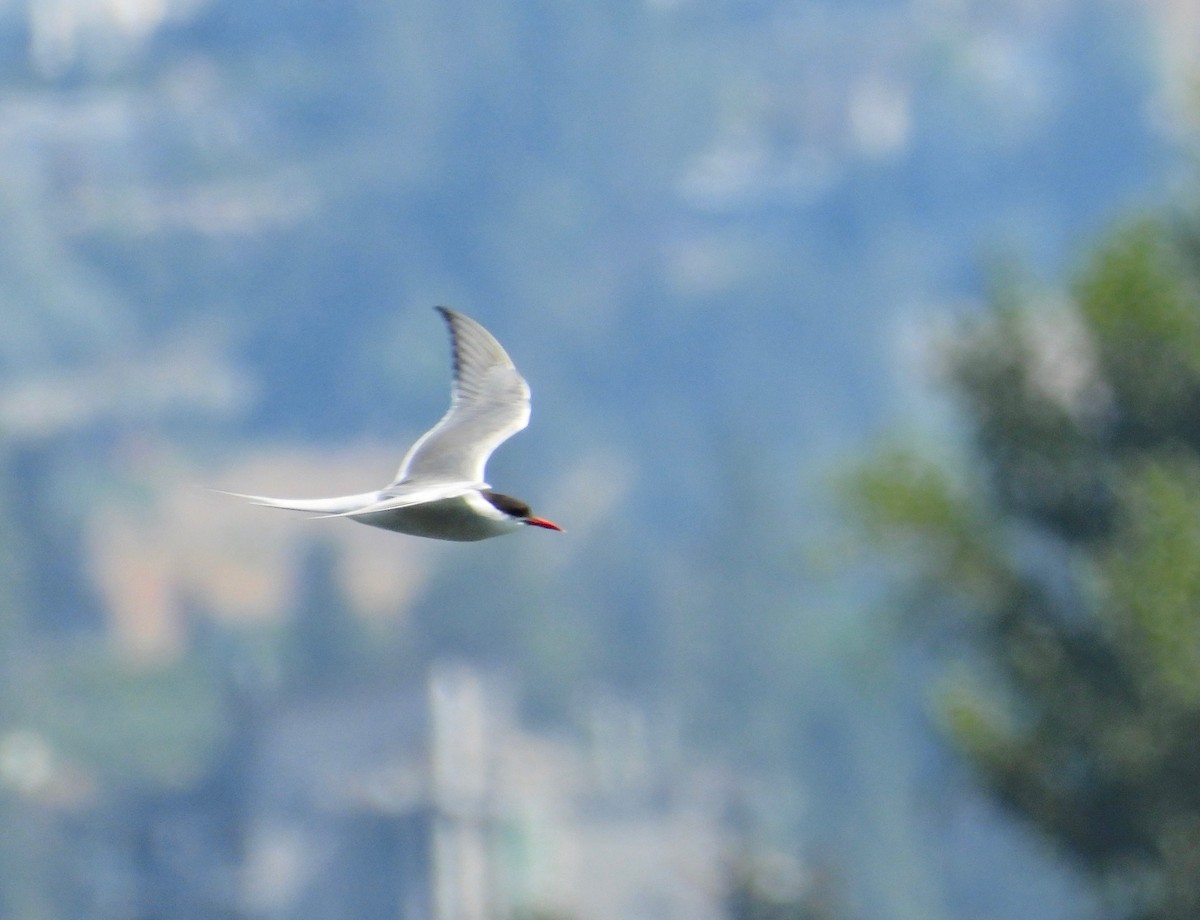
x=449, y=315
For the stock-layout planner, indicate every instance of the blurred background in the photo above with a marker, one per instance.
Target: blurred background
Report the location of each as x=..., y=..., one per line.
x=864, y=340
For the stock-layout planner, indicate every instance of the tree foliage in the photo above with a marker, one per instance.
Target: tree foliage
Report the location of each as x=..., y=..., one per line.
x=1059, y=561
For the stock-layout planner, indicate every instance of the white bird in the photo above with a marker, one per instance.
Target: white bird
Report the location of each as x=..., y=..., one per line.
x=439, y=490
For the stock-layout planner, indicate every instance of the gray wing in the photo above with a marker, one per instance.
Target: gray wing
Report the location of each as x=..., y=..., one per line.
x=489, y=403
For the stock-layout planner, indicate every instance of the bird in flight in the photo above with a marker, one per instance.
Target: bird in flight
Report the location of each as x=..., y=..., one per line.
x=439, y=490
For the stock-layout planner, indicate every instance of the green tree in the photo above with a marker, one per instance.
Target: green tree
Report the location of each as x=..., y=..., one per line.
x=1056, y=559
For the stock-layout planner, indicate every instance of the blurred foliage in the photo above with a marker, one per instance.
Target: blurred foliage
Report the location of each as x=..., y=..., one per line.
x=755, y=895
x=132, y=726
x=1058, y=562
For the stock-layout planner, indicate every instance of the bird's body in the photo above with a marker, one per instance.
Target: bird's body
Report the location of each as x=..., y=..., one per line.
x=465, y=517
x=439, y=491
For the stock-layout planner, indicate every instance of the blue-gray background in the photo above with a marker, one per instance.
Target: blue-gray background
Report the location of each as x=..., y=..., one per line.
x=716, y=237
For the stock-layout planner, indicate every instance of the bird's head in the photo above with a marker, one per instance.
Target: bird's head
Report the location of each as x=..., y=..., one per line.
x=517, y=510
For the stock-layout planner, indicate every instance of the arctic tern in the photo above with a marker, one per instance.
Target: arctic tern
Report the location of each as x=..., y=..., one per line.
x=439, y=490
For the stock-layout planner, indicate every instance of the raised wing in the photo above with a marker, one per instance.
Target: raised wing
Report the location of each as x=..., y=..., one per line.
x=489, y=403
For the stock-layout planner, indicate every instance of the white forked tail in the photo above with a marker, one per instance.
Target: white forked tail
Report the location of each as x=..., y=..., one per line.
x=320, y=506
